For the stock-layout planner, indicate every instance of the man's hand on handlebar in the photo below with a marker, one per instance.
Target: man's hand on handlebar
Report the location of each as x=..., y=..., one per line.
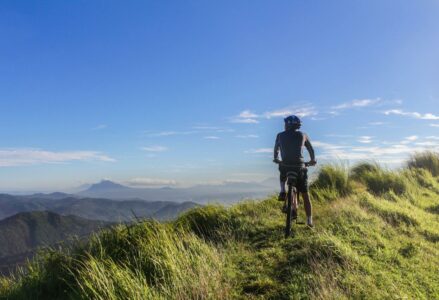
x=312, y=162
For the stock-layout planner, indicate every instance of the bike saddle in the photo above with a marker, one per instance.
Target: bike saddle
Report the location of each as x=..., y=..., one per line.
x=292, y=174
x=292, y=177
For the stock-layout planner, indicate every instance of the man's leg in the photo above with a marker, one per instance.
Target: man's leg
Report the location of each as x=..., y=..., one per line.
x=283, y=180
x=308, y=208
x=282, y=186
x=283, y=195
x=305, y=196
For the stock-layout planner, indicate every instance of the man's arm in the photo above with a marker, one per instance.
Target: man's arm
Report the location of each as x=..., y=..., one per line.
x=276, y=148
x=310, y=149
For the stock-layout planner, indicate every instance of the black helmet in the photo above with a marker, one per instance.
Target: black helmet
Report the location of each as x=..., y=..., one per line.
x=292, y=122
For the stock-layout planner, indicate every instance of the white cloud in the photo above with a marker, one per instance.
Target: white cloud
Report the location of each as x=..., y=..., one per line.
x=365, y=139
x=155, y=148
x=212, y=137
x=246, y=117
x=148, y=182
x=431, y=142
x=245, y=121
x=434, y=125
x=260, y=150
x=416, y=115
x=412, y=138
x=428, y=144
x=357, y=103
x=246, y=114
x=247, y=136
x=21, y=157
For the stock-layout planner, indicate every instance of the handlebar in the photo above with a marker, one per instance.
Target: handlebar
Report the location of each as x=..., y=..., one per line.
x=307, y=164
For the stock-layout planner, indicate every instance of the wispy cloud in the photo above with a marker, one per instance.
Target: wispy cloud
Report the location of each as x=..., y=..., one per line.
x=170, y=133
x=249, y=117
x=100, y=127
x=386, y=152
x=206, y=127
x=22, y=157
x=357, y=103
x=339, y=135
x=216, y=129
x=212, y=137
x=247, y=136
x=434, y=125
x=260, y=150
x=308, y=110
x=365, y=139
x=301, y=112
x=416, y=115
x=150, y=182
x=377, y=123
x=409, y=139
x=155, y=148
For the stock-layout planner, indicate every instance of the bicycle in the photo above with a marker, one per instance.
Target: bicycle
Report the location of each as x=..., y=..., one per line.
x=292, y=191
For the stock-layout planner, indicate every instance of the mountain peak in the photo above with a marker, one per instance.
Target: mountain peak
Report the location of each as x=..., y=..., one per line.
x=106, y=185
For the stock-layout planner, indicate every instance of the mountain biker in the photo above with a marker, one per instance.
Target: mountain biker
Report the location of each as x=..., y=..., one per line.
x=290, y=143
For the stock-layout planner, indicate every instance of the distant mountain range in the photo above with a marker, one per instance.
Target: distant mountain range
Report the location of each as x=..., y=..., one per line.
x=91, y=208
x=23, y=233
x=228, y=192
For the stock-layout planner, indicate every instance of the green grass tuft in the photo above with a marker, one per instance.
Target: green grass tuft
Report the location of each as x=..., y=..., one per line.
x=425, y=160
x=379, y=181
x=332, y=181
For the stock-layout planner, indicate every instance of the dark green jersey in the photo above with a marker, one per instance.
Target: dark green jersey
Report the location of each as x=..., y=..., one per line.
x=290, y=143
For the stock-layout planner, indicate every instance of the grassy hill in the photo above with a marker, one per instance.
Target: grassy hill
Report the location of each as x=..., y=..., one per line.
x=23, y=233
x=376, y=236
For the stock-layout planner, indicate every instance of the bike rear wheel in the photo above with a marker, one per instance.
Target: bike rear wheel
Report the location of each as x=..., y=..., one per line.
x=291, y=193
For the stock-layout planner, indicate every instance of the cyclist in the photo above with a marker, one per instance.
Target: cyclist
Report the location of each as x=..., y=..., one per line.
x=290, y=143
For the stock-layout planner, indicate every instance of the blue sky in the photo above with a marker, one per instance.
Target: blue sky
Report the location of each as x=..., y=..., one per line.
x=180, y=92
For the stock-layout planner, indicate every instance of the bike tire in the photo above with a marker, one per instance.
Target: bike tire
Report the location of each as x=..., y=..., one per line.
x=289, y=211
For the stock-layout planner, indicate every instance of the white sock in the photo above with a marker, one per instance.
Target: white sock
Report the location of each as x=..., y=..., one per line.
x=309, y=220
x=282, y=186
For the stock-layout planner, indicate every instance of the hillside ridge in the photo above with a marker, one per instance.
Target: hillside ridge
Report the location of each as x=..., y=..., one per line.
x=376, y=236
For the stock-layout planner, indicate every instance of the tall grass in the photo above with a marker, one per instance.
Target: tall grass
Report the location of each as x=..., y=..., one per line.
x=332, y=181
x=378, y=180
x=147, y=260
x=425, y=160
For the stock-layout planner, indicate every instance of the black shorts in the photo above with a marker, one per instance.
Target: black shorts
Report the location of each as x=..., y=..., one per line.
x=302, y=179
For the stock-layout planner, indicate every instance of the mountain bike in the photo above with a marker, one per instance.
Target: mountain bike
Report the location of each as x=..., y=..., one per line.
x=292, y=177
